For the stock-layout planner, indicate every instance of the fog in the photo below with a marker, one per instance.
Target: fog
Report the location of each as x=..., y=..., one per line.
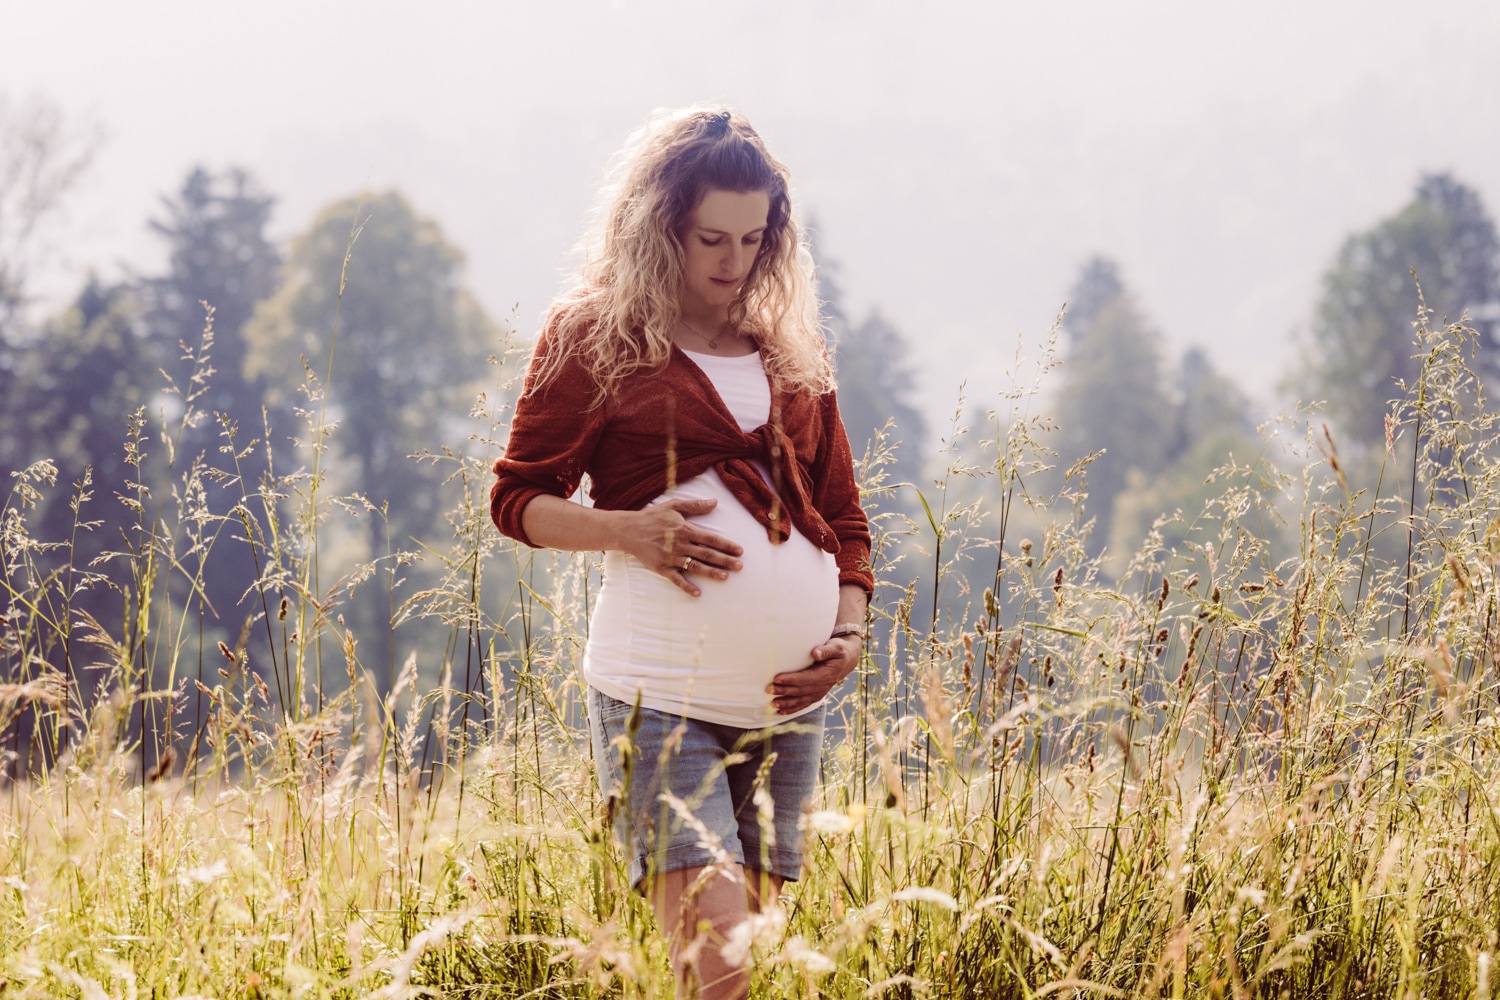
x=960, y=160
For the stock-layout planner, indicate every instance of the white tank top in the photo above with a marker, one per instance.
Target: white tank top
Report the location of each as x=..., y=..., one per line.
x=711, y=657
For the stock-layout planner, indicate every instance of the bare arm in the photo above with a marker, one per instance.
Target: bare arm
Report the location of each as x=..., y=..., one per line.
x=662, y=537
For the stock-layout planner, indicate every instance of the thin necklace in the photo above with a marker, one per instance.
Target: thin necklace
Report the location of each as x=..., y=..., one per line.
x=713, y=342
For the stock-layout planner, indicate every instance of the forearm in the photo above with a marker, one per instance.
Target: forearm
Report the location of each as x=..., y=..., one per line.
x=554, y=523
x=836, y=498
x=853, y=603
x=660, y=536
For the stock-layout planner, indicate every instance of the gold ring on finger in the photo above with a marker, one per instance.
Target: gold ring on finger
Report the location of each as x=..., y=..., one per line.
x=687, y=564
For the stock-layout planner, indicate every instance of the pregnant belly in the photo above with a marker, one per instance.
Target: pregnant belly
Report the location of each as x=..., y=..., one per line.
x=712, y=656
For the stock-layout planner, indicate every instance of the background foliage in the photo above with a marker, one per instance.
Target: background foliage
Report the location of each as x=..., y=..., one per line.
x=1158, y=701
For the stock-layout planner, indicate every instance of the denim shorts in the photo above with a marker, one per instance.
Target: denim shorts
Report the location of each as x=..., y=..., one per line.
x=660, y=752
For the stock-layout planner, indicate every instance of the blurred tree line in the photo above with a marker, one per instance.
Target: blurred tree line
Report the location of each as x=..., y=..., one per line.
x=876, y=385
x=219, y=359
x=389, y=327
x=1360, y=341
x=214, y=362
x=1149, y=430
x=1156, y=429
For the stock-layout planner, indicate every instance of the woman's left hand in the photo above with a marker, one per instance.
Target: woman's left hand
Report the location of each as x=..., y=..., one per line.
x=833, y=660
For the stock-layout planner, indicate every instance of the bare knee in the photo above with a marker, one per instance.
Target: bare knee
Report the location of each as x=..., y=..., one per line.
x=762, y=889
x=698, y=909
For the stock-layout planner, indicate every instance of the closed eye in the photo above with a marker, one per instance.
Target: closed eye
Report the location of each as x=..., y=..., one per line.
x=717, y=239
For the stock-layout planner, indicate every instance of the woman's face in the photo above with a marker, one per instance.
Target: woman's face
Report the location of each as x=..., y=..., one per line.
x=719, y=244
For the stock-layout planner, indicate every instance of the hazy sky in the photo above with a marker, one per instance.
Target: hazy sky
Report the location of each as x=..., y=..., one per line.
x=961, y=159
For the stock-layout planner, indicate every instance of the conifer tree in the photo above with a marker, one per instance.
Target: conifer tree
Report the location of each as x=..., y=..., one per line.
x=411, y=343
x=876, y=381
x=1361, y=339
x=1111, y=398
x=219, y=257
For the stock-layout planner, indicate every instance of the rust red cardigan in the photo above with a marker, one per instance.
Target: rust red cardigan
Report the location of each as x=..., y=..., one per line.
x=670, y=426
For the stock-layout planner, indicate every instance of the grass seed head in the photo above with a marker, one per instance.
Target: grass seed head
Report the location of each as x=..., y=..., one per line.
x=163, y=766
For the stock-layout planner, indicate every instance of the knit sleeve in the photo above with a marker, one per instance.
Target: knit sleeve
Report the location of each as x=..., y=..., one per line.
x=836, y=497
x=553, y=435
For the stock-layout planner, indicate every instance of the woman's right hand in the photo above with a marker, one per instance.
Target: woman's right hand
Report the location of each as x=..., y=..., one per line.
x=664, y=539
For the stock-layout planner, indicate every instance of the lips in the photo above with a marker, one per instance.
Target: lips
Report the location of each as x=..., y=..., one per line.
x=725, y=282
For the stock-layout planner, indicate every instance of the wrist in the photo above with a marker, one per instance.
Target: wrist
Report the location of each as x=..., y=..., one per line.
x=616, y=526
x=857, y=629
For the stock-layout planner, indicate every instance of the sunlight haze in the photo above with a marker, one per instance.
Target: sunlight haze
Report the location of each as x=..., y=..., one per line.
x=960, y=161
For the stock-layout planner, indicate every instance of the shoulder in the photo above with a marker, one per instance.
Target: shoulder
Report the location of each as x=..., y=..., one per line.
x=562, y=334
x=798, y=361
x=558, y=358
x=806, y=413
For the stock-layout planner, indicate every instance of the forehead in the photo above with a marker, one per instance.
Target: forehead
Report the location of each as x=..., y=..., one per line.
x=732, y=211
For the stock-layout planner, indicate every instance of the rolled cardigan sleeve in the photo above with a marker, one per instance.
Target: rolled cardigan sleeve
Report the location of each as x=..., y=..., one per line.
x=553, y=435
x=835, y=495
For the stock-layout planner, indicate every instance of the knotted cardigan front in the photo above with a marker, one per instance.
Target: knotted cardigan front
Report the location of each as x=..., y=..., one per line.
x=668, y=426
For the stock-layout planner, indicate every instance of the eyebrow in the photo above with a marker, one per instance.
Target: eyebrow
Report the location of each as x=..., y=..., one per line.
x=722, y=232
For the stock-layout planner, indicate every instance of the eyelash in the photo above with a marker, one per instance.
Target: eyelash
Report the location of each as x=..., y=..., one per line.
x=750, y=241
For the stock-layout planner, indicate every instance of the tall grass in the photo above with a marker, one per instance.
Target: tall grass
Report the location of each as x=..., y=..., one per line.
x=1232, y=771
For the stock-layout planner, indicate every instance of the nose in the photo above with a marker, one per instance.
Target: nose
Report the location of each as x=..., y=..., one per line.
x=734, y=260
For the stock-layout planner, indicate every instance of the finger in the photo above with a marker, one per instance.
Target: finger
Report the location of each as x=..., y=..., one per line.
x=690, y=508
x=707, y=558
x=691, y=565
x=786, y=706
x=832, y=653
x=803, y=697
x=834, y=649
x=707, y=540
x=680, y=578
x=700, y=566
x=801, y=681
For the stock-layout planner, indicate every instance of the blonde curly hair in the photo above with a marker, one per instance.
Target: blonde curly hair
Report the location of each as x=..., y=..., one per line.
x=619, y=314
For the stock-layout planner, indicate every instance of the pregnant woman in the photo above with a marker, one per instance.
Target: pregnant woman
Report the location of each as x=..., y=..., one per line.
x=686, y=375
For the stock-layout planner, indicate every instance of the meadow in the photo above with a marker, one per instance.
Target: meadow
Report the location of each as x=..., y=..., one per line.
x=1259, y=764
